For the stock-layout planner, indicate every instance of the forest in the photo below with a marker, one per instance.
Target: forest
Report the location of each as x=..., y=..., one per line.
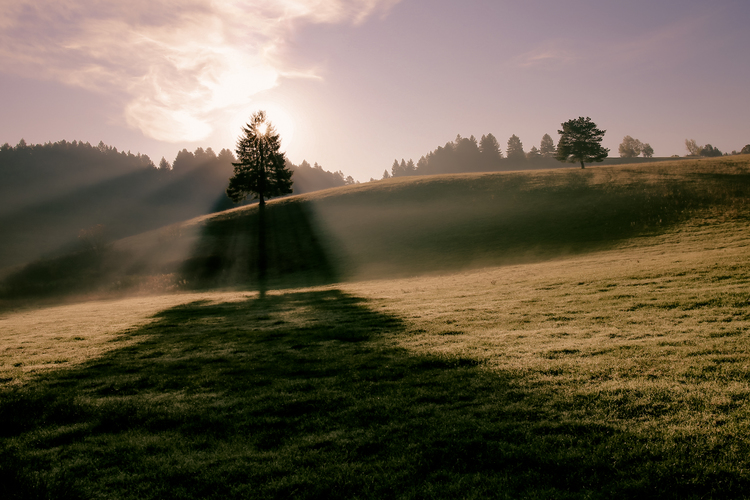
x=54, y=196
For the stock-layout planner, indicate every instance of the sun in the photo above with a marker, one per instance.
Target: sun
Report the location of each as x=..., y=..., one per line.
x=277, y=115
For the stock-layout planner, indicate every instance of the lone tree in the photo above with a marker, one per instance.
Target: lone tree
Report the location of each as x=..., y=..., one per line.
x=580, y=141
x=261, y=172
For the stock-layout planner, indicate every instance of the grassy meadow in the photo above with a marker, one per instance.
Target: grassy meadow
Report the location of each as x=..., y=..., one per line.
x=610, y=360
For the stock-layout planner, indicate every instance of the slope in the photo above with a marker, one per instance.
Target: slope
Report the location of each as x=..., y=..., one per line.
x=410, y=226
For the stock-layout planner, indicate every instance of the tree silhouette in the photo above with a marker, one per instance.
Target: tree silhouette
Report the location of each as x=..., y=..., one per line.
x=692, y=147
x=580, y=141
x=514, y=150
x=396, y=169
x=490, y=149
x=547, y=147
x=709, y=151
x=261, y=172
x=630, y=148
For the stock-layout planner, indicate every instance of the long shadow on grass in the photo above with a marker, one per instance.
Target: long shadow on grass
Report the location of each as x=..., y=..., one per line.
x=301, y=396
x=296, y=254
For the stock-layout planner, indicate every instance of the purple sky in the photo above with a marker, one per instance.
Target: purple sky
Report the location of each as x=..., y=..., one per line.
x=355, y=84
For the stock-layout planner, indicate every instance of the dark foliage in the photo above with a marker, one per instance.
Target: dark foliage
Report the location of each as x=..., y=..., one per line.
x=51, y=194
x=515, y=149
x=469, y=155
x=261, y=169
x=314, y=178
x=710, y=151
x=580, y=142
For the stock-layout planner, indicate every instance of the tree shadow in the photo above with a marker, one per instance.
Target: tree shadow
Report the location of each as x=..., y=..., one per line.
x=297, y=253
x=303, y=395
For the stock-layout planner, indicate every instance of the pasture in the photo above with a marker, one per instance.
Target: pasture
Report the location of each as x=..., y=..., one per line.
x=602, y=362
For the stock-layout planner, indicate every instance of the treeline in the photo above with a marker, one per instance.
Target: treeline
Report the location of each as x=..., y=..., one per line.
x=471, y=155
x=50, y=194
x=308, y=178
x=694, y=149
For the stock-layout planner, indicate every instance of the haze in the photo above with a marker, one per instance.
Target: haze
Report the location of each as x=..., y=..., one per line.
x=353, y=85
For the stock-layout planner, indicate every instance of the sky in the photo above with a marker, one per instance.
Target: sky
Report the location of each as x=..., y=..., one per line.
x=353, y=85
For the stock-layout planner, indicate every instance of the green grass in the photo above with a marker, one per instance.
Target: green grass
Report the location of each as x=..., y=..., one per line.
x=405, y=227
x=618, y=371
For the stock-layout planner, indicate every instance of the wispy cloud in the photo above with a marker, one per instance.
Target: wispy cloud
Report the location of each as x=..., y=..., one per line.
x=549, y=55
x=177, y=64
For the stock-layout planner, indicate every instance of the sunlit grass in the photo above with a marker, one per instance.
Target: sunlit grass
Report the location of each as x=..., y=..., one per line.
x=617, y=373
x=620, y=374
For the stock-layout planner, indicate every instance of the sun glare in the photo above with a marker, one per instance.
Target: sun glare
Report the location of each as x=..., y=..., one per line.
x=277, y=115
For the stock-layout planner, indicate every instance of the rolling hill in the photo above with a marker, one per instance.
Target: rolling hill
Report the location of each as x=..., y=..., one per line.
x=407, y=227
x=608, y=359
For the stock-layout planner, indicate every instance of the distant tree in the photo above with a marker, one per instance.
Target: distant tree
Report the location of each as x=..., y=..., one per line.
x=261, y=172
x=164, y=164
x=466, y=155
x=490, y=148
x=533, y=154
x=745, y=150
x=692, y=147
x=386, y=175
x=396, y=169
x=411, y=169
x=630, y=148
x=710, y=151
x=547, y=147
x=647, y=150
x=580, y=141
x=514, y=151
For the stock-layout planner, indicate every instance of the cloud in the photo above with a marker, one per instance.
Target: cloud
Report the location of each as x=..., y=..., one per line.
x=550, y=55
x=175, y=64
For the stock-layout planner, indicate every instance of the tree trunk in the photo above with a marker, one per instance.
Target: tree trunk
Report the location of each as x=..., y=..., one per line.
x=262, y=262
x=582, y=164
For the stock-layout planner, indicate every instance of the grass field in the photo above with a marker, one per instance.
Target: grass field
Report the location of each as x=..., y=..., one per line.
x=620, y=369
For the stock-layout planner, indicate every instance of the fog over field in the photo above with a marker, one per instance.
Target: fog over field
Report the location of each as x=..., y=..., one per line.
x=367, y=249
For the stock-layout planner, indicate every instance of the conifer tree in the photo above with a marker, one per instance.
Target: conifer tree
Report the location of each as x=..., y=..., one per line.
x=261, y=172
x=396, y=169
x=547, y=147
x=261, y=168
x=411, y=169
x=489, y=147
x=515, y=149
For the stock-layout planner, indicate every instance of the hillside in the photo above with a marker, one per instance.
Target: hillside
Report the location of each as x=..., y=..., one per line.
x=52, y=193
x=408, y=226
x=613, y=363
